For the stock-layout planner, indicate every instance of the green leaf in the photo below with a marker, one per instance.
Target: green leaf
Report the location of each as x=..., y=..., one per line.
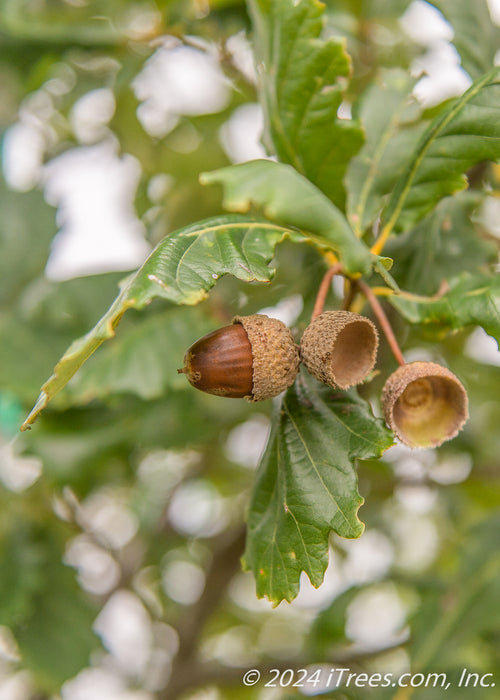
x=288, y=198
x=390, y=117
x=475, y=37
x=306, y=485
x=328, y=629
x=59, y=24
x=471, y=300
x=76, y=445
x=302, y=81
x=144, y=358
x=21, y=369
x=40, y=600
x=21, y=562
x=444, y=241
x=385, y=8
x=464, y=608
x=27, y=226
x=181, y=269
x=71, y=306
x=57, y=639
x=466, y=133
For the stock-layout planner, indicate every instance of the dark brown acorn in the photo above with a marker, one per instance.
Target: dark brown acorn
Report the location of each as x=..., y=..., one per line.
x=254, y=358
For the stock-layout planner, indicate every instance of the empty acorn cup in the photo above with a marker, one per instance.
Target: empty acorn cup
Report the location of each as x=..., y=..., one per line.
x=339, y=348
x=425, y=404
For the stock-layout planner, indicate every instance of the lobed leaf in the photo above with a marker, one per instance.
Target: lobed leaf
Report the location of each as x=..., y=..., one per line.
x=390, y=117
x=471, y=300
x=302, y=82
x=466, y=133
x=181, y=269
x=290, y=199
x=445, y=241
x=143, y=360
x=306, y=485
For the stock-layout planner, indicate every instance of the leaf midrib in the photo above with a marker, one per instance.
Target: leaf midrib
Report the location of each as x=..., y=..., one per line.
x=313, y=464
x=211, y=229
x=432, y=136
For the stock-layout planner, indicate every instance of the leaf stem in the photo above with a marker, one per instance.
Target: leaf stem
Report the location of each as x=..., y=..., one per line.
x=324, y=289
x=444, y=288
x=379, y=244
x=383, y=320
x=349, y=296
x=385, y=292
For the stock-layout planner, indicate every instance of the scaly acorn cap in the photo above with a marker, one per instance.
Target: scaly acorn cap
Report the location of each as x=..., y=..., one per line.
x=339, y=348
x=254, y=358
x=275, y=355
x=424, y=404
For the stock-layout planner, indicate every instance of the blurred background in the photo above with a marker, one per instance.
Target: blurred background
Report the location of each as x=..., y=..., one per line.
x=121, y=512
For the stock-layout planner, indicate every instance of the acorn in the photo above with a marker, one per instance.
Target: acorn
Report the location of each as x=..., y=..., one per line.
x=339, y=348
x=254, y=358
x=425, y=404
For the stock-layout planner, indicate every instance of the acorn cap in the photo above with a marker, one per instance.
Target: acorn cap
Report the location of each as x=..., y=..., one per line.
x=424, y=404
x=339, y=348
x=275, y=355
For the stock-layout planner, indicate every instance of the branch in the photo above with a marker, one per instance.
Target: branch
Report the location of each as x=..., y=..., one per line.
x=187, y=671
x=214, y=673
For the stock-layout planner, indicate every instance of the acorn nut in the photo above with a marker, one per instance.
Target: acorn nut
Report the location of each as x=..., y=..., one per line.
x=254, y=358
x=339, y=348
x=425, y=404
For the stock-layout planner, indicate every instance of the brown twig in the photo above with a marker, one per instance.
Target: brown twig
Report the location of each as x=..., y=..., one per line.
x=323, y=290
x=383, y=321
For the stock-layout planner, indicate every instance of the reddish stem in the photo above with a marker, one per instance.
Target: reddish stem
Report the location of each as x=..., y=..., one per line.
x=383, y=320
x=323, y=290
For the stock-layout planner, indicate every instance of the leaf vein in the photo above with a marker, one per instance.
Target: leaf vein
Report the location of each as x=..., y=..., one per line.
x=313, y=463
